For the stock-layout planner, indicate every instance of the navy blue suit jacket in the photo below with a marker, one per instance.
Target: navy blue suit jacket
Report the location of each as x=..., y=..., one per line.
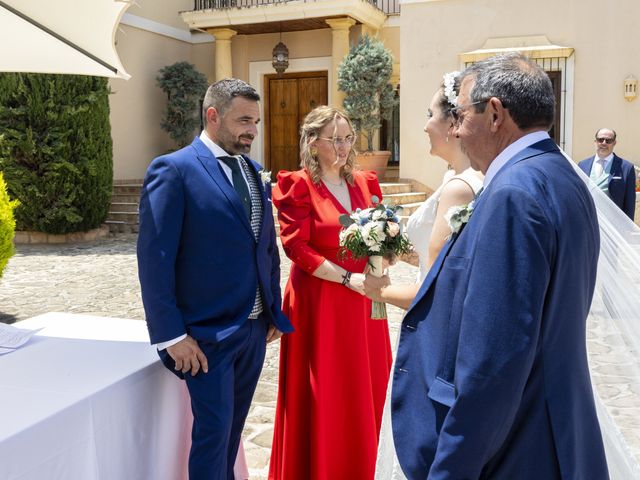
x=491, y=378
x=198, y=260
x=622, y=182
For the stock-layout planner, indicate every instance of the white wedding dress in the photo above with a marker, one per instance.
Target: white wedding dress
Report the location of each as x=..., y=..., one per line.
x=419, y=227
x=614, y=315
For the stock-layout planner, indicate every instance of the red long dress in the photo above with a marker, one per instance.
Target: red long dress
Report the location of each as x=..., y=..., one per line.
x=334, y=368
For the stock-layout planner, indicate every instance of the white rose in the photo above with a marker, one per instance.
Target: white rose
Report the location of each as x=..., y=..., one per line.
x=379, y=228
x=369, y=234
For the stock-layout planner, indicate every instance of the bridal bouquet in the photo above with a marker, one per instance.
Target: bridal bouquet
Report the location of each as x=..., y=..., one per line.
x=374, y=233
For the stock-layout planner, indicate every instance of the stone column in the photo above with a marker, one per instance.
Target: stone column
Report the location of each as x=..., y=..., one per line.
x=340, y=47
x=224, y=64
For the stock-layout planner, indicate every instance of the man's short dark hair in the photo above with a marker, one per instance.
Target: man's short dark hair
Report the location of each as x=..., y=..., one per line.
x=522, y=86
x=220, y=94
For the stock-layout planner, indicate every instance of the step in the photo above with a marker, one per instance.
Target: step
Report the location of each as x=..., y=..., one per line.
x=124, y=207
x=409, y=208
x=125, y=198
x=118, y=226
x=130, y=218
x=404, y=198
x=127, y=189
x=392, y=187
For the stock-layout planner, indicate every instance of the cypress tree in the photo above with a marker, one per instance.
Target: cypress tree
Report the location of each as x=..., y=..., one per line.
x=56, y=150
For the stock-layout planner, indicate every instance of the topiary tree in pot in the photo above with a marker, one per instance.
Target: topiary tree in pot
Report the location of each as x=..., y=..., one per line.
x=185, y=87
x=365, y=77
x=7, y=225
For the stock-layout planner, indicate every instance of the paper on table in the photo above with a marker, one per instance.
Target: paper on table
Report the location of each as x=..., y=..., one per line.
x=12, y=337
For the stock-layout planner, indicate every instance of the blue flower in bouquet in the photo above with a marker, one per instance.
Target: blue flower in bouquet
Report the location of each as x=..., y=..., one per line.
x=373, y=231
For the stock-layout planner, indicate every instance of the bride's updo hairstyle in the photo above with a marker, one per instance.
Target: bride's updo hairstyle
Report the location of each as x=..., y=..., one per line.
x=315, y=121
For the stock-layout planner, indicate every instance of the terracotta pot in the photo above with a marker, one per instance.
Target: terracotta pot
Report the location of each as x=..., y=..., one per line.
x=376, y=161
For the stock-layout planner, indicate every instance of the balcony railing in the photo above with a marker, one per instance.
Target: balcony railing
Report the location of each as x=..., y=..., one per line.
x=390, y=7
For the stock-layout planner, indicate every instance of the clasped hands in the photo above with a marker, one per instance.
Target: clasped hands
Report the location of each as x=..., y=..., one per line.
x=188, y=356
x=372, y=285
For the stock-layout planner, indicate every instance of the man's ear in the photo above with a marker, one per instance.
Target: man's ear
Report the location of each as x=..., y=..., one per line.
x=498, y=113
x=212, y=115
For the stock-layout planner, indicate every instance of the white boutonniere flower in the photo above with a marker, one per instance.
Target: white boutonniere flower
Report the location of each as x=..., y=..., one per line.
x=458, y=216
x=265, y=177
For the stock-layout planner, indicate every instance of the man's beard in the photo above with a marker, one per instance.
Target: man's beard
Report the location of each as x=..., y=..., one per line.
x=235, y=146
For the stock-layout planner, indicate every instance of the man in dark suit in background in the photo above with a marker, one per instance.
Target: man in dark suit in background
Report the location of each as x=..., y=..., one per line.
x=613, y=174
x=209, y=271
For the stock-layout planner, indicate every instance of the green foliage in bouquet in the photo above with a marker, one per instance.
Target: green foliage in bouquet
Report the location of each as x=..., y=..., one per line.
x=185, y=88
x=56, y=150
x=7, y=225
x=364, y=75
x=373, y=231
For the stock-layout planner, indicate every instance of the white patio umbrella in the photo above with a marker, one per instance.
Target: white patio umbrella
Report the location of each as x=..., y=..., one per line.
x=61, y=36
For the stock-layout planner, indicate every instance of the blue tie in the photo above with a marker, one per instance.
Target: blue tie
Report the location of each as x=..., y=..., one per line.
x=239, y=183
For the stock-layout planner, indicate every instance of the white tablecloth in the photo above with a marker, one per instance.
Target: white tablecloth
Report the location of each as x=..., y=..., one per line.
x=87, y=398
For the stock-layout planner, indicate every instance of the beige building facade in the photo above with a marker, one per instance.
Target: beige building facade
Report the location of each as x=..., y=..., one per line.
x=588, y=50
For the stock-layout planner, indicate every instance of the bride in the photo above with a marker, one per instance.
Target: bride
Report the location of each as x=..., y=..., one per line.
x=427, y=227
x=428, y=230
x=613, y=313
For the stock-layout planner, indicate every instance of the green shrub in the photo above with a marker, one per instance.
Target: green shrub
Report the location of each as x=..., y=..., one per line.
x=56, y=150
x=185, y=88
x=7, y=225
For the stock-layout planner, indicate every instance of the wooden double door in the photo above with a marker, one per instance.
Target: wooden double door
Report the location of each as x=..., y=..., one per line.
x=288, y=99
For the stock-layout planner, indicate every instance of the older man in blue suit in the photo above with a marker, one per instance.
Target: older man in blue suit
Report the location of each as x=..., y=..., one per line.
x=613, y=174
x=491, y=379
x=210, y=271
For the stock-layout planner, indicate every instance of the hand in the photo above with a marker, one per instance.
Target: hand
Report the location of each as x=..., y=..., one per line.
x=188, y=356
x=273, y=334
x=355, y=283
x=373, y=286
x=389, y=259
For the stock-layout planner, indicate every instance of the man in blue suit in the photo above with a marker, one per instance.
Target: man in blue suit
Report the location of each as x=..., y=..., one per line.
x=614, y=175
x=209, y=270
x=491, y=379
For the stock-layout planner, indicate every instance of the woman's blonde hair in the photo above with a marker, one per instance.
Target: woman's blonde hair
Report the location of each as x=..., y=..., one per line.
x=315, y=121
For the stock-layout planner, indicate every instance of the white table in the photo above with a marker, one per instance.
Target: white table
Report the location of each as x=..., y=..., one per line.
x=87, y=398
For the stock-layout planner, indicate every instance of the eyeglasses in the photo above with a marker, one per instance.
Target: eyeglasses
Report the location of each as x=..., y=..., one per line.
x=338, y=141
x=456, y=112
x=608, y=141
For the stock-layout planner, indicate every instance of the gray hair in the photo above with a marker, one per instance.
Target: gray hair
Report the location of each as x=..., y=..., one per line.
x=522, y=86
x=220, y=94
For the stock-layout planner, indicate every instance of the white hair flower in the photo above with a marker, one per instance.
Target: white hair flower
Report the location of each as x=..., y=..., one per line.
x=449, y=81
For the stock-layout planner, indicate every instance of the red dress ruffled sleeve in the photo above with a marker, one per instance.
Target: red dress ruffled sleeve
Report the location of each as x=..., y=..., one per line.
x=369, y=183
x=292, y=199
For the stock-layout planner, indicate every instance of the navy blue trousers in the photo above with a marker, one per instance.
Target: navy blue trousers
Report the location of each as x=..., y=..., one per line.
x=221, y=398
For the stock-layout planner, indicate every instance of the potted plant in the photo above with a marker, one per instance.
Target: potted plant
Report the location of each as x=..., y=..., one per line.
x=364, y=75
x=185, y=86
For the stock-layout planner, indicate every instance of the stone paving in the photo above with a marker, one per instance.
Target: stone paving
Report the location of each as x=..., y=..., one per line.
x=100, y=279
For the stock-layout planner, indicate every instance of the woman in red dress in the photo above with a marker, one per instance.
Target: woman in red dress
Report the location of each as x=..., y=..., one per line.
x=334, y=368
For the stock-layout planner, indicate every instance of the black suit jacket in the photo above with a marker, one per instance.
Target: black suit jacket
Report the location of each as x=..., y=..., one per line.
x=622, y=182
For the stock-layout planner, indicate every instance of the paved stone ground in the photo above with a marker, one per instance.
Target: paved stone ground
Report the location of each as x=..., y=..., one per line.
x=100, y=279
